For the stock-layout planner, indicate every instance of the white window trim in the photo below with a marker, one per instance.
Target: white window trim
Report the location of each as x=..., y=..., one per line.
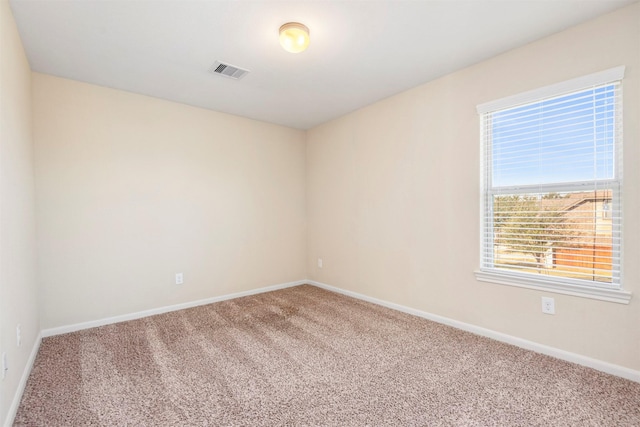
x=604, y=293
x=513, y=279
x=572, y=85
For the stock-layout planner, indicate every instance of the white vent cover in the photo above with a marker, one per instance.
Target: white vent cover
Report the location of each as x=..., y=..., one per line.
x=228, y=70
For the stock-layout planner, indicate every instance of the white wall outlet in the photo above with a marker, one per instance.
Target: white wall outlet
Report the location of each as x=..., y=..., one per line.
x=179, y=279
x=548, y=305
x=5, y=366
x=319, y=262
x=18, y=335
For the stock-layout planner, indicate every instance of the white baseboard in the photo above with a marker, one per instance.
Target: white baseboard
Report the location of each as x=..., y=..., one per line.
x=599, y=365
x=17, y=397
x=140, y=314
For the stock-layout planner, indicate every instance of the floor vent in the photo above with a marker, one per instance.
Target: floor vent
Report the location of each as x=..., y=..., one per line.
x=228, y=70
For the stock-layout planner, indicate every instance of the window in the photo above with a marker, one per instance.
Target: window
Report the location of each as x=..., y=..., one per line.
x=552, y=188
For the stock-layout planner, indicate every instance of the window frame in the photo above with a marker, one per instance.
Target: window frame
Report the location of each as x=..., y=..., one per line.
x=610, y=292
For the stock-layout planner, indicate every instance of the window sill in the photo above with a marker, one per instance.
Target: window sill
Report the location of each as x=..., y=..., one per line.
x=611, y=295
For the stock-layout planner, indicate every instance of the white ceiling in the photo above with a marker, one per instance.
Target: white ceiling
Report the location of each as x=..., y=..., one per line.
x=360, y=51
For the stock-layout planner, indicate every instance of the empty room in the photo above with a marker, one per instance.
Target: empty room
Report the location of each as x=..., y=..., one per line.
x=320, y=213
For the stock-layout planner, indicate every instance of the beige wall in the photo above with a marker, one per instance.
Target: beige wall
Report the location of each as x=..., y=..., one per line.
x=18, y=299
x=393, y=196
x=132, y=189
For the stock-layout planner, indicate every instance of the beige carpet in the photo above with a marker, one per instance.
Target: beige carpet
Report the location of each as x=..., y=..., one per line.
x=307, y=357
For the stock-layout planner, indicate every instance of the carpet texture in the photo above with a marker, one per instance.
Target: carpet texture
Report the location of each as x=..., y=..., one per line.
x=304, y=356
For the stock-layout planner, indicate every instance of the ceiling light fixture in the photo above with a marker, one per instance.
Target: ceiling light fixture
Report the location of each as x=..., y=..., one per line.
x=294, y=37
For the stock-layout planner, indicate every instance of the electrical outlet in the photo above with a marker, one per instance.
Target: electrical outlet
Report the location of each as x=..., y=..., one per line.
x=18, y=335
x=5, y=366
x=319, y=262
x=548, y=305
x=179, y=279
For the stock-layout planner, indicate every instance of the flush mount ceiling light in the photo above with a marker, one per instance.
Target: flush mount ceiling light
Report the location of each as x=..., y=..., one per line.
x=294, y=37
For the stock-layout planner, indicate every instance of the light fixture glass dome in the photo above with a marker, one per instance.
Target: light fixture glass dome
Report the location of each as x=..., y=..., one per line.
x=294, y=37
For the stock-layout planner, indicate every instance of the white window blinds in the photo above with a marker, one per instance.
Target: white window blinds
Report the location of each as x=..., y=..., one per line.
x=551, y=173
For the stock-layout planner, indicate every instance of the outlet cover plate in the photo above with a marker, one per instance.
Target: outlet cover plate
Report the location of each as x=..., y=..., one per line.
x=5, y=367
x=548, y=305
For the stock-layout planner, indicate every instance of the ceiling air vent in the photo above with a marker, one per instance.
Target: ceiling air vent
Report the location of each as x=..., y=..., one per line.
x=228, y=70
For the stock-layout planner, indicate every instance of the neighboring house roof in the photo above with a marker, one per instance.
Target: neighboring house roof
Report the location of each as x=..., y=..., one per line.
x=571, y=201
x=577, y=199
